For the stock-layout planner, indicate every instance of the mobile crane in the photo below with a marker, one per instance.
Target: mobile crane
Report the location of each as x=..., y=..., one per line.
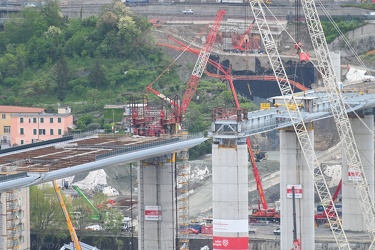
x=295, y=115
x=328, y=211
x=338, y=110
x=264, y=213
x=72, y=231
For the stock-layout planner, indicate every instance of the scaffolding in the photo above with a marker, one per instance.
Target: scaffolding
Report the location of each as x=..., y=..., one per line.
x=183, y=174
x=12, y=210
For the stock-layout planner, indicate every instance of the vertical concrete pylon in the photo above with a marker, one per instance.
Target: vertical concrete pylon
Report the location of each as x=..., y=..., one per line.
x=363, y=134
x=156, y=196
x=294, y=171
x=230, y=195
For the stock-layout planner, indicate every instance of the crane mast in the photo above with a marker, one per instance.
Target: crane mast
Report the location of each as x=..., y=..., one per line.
x=201, y=63
x=72, y=232
x=340, y=116
x=300, y=128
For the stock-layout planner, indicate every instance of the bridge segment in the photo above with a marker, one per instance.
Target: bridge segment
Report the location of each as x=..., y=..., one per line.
x=229, y=130
x=43, y=162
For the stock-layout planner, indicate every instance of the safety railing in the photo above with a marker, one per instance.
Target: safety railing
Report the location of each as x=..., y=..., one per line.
x=147, y=145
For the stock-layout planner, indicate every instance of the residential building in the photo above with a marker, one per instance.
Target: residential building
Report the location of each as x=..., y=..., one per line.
x=5, y=121
x=24, y=125
x=34, y=127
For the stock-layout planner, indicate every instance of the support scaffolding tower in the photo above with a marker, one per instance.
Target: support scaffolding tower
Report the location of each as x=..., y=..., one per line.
x=12, y=208
x=183, y=174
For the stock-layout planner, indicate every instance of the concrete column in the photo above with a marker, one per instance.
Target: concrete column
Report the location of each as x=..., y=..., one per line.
x=156, y=187
x=230, y=196
x=294, y=171
x=351, y=213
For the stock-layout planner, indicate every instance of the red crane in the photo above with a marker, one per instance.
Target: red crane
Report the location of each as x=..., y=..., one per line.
x=226, y=72
x=322, y=217
x=265, y=212
x=193, y=81
x=244, y=44
x=201, y=63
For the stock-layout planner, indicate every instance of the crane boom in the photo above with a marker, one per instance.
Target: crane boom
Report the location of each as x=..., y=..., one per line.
x=300, y=128
x=79, y=191
x=201, y=63
x=350, y=150
x=72, y=231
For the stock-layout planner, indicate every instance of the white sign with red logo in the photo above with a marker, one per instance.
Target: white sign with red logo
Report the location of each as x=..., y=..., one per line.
x=152, y=212
x=239, y=243
x=231, y=226
x=297, y=191
x=354, y=175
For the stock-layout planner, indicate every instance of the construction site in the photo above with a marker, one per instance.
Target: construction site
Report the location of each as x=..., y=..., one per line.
x=158, y=146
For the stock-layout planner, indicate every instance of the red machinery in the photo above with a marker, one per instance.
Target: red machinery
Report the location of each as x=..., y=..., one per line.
x=244, y=42
x=265, y=213
x=174, y=119
x=321, y=218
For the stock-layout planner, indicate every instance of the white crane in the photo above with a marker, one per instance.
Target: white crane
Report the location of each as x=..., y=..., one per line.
x=340, y=116
x=301, y=129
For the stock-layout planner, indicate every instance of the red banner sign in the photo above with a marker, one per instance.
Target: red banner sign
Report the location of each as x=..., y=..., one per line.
x=230, y=243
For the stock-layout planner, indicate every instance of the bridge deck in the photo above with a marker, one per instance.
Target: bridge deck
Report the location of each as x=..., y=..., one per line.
x=45, y=161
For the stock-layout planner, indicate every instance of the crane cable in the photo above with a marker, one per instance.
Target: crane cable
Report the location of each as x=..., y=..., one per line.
x=294, y=41
x=343, y=37
x=175, y=60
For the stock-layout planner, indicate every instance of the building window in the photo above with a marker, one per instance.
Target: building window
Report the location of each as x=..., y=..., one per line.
x=34, y=120
x=21, y=131
x=42, y=131
x=34, y=131
x=29, y=120
x=41, y=120
x=7, y=129
x=51, y=131
x=21, y=142
x=59, y=131
x=59, y=120
x=21, y=120
x=3, y=116
x=51, y=120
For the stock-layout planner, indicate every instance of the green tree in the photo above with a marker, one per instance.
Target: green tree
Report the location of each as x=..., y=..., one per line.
x=46, y=215
x=97, y=76
x=61, y=74
x=113, y=223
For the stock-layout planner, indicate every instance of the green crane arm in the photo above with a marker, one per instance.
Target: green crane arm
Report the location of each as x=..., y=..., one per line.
x=79, y=191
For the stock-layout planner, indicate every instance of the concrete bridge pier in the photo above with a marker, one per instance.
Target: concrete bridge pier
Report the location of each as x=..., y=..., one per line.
x=230, y=194
x=363, y=134
x=156, y=196
x=294, y=171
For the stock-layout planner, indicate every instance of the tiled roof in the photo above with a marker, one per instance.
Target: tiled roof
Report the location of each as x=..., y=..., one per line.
x=19, y=109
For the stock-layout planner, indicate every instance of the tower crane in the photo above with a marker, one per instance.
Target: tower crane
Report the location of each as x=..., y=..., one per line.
x=350, y=150
x=299, y=125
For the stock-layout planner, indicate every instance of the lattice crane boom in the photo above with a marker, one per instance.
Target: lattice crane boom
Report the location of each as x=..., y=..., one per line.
x=201, y=62
x=340, y=116
x=300, y=128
